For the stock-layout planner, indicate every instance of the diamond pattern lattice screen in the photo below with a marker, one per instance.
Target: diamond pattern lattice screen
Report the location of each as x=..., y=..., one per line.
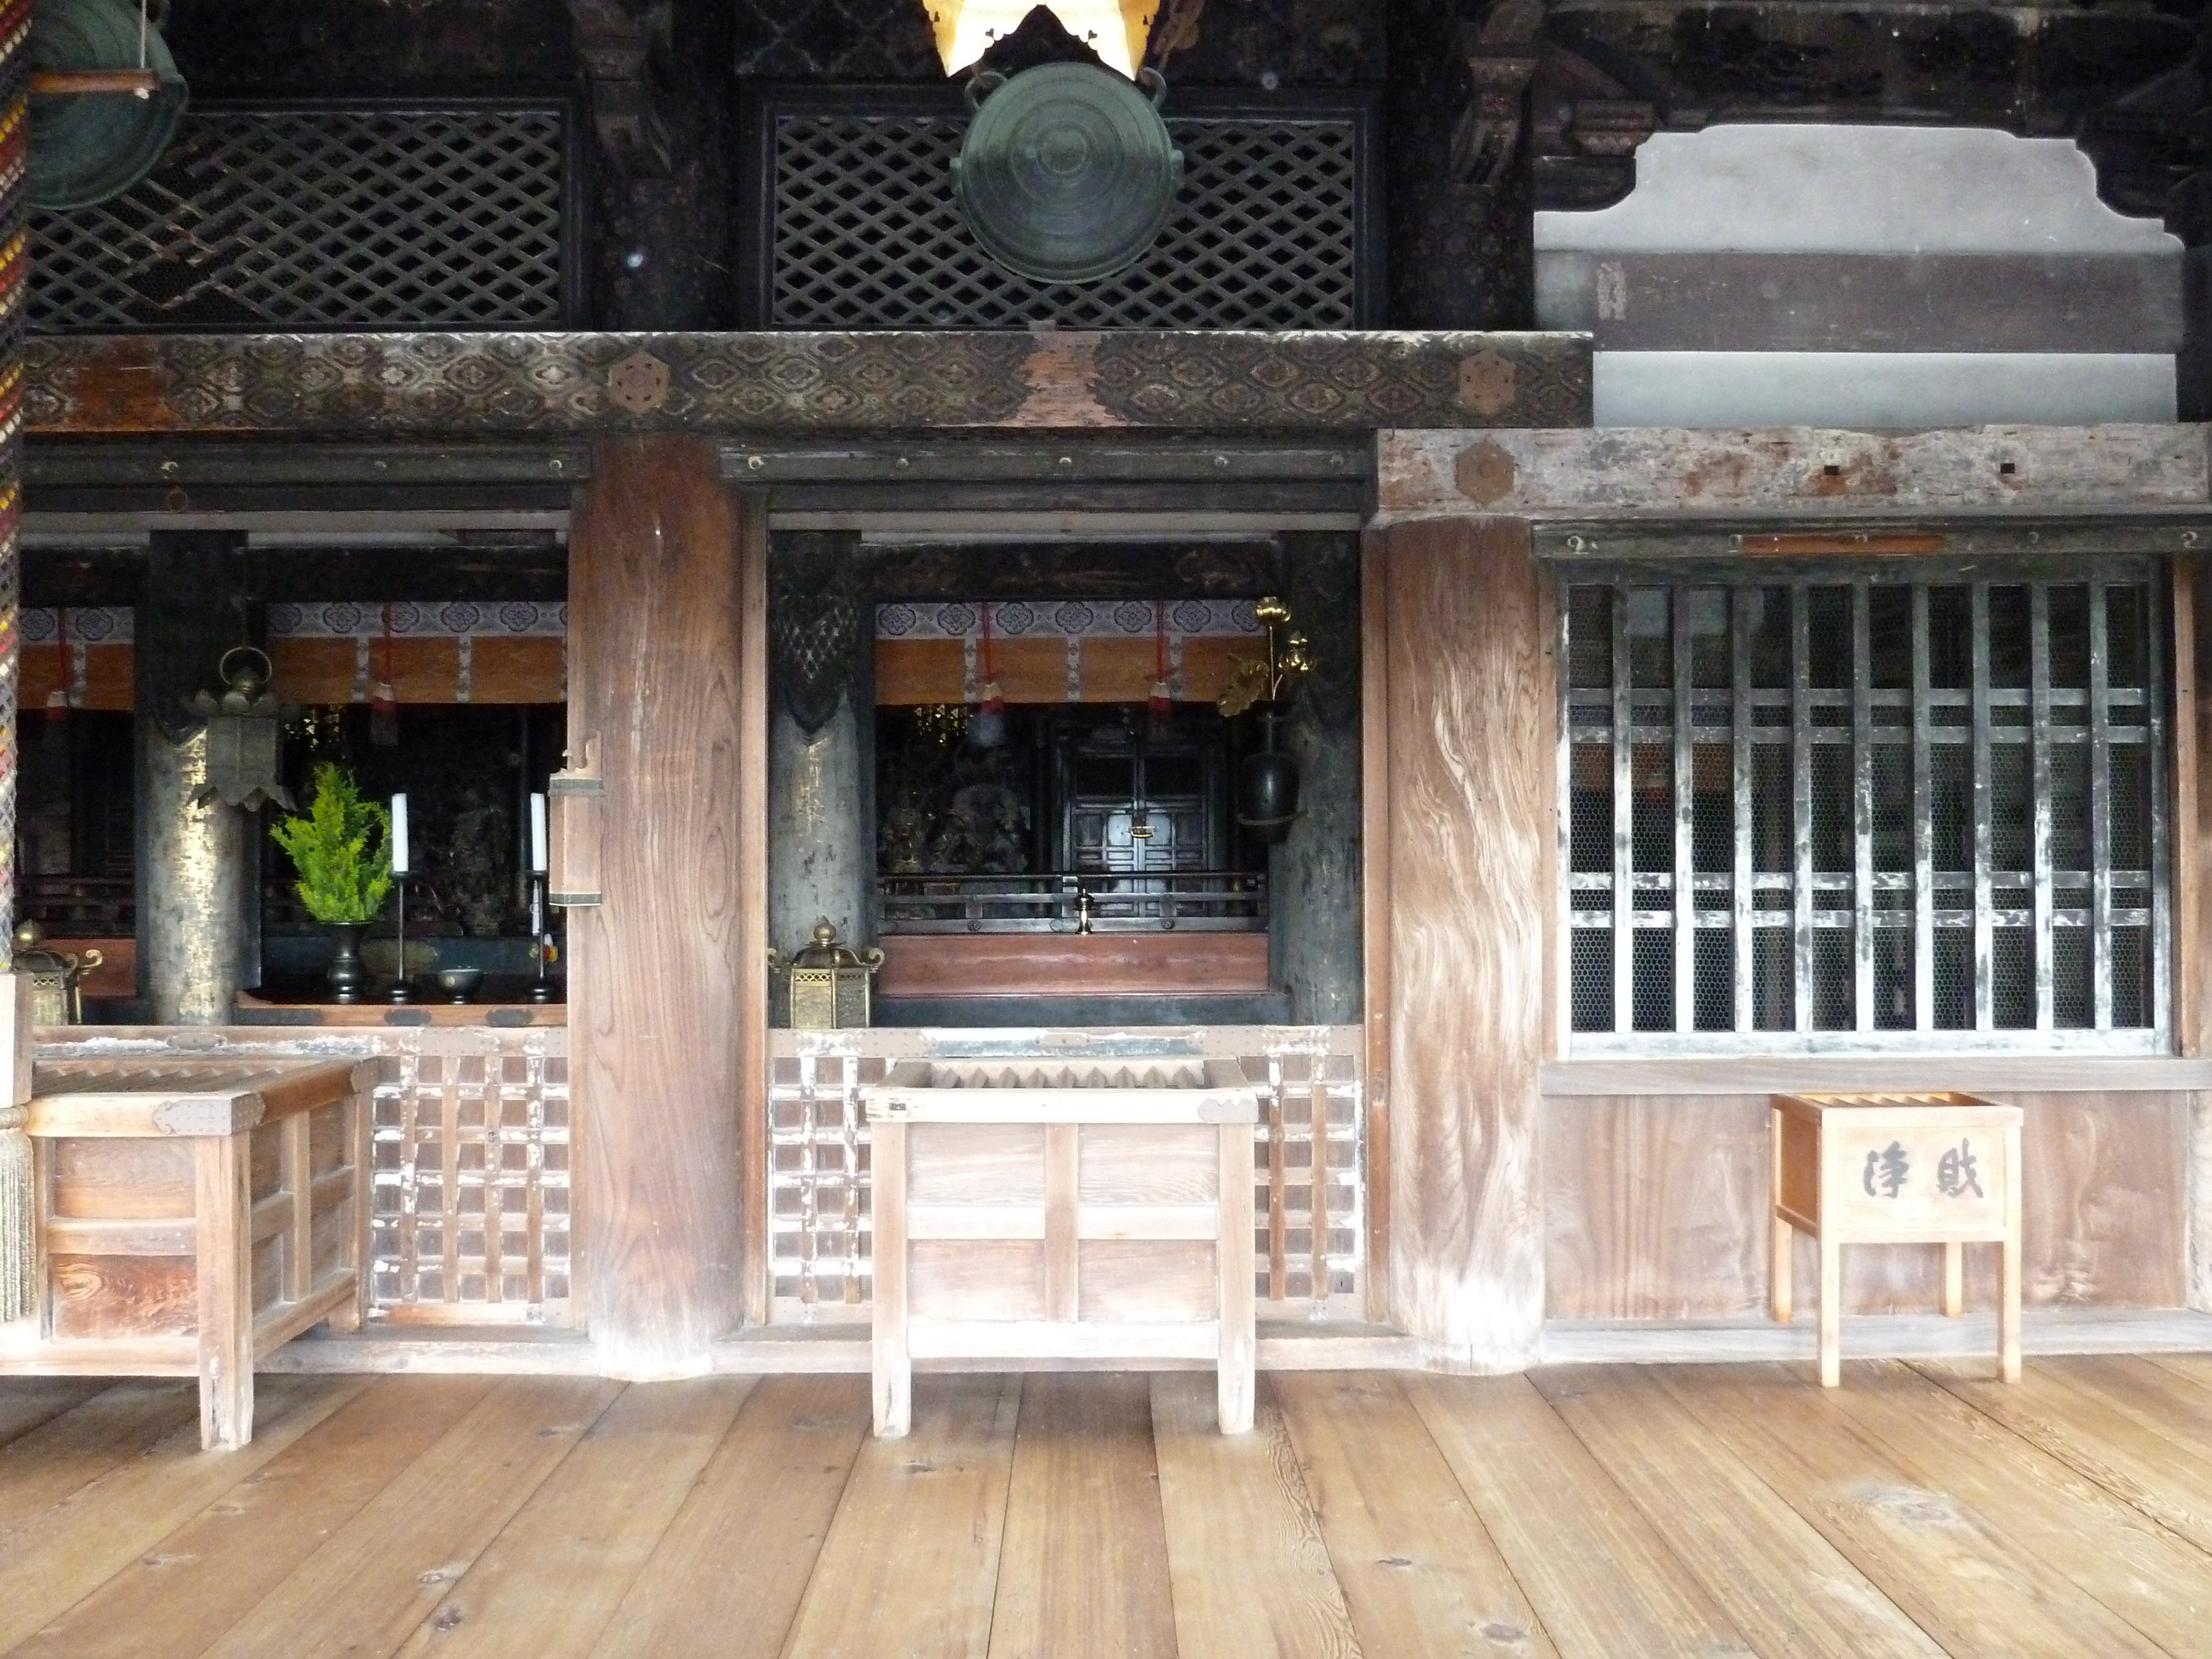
x=859, y=229
x=326, y=217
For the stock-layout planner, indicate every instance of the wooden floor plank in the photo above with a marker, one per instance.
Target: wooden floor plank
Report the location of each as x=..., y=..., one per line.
x=1083, y=1571
x=175, y=1600
x=1251, y=1572
x=1420, y=1573
x=1954, y=1571
x=726, y=1580
x=2158, y=1583
x=909, y=1566
x=2053, y=1409
x=116, y=1425
x=1780, y=1583
x=28, y=1401
x=2195, y=1368
x=379, y=1575
x=547, y=1586
x=1600, y=1575
x=77, y=1546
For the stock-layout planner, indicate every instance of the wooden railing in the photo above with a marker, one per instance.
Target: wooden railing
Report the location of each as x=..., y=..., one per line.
x=1075, y=902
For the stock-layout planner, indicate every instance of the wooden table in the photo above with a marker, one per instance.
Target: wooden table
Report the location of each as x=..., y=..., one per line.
x=193, y=1215
x=1896, y=1169
x=1027, y=1210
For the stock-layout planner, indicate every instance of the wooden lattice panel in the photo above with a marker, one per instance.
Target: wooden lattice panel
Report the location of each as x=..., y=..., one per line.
x=820, y=1233
x=469, y=1218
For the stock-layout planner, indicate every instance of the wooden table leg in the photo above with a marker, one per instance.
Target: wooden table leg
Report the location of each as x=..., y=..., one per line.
x=2009, y=1310
x=893, y=1365
x=1234, y=1269
x=224, y=1204
x=1954, y=1279
x=1781, y=1267
x=1832, y=1312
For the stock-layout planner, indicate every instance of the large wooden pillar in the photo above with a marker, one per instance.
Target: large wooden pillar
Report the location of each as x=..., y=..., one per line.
x=665, y=975
x=1460, y=833
x=195, y=864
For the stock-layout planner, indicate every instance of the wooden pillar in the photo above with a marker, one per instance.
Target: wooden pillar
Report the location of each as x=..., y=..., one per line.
x=195, y=867
x=666, y=976
x=821, y=749
x=2192, y=842
x=1460, y=832
x=1314, y=875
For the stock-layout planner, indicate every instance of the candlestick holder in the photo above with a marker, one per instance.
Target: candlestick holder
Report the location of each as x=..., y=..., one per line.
x=399, y=991
x=541, y=988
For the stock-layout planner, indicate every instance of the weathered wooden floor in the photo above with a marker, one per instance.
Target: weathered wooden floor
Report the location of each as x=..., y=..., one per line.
x=1605, y=1512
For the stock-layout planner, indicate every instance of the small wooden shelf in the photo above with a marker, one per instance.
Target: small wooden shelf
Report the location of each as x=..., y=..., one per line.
x=1029, y=1208
x=192, y=1214
x=1924, y=1168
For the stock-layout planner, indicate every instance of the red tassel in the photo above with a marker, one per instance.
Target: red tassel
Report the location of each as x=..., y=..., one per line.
x=383, y=701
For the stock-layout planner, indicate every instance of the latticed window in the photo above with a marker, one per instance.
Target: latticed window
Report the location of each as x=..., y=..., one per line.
x=1811, y=810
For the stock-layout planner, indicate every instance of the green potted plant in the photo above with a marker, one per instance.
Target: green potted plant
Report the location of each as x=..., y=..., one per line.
x=343, y=881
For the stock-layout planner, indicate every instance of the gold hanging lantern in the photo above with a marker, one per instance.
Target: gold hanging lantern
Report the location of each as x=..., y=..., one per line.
x=829, y=983
x=244, y=748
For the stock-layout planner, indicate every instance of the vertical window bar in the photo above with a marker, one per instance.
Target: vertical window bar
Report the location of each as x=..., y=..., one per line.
x=2100, y=810
x=1984, y=942
x=1685, y=838
x=2154, y=686
x=1862, y=807
x=1800, y=799
x=1624, y=808
x=1563, y=680
x=1740, y=738
x=2039, y=700
x=1924, y=823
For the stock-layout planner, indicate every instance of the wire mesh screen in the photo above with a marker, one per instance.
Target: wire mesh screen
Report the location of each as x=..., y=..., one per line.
x=1866, y=813
x=325, y=216
x=859, y=229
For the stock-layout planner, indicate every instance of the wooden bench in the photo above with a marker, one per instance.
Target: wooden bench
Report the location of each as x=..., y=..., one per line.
x=1896, y=1169
x=192, y=1215
x=1027, y=1210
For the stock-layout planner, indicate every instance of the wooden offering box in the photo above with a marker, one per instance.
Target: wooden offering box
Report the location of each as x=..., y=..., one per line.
x=193, y=1215
x=1896, y=1169
x=1029, y=1210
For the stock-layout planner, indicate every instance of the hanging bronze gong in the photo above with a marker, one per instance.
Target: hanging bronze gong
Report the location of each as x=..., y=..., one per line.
x=1068, y=174
x=88, y=147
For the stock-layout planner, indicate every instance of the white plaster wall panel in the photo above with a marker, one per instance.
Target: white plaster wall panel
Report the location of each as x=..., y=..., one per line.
x=1884, y=277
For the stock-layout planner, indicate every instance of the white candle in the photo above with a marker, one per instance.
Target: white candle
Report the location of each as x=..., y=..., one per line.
x=399, y=834
x=537, y=835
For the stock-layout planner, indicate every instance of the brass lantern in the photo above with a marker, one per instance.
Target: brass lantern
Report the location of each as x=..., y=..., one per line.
x=57, y=978
x=830, y=983
x=243, y=756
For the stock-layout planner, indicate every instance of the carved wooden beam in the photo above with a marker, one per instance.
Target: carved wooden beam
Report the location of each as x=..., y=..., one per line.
x=613, y=45
x=1501, y=60
x=461, y=385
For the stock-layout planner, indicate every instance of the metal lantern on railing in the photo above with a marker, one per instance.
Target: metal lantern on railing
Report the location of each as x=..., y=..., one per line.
x=56, y=977
x=830, y=983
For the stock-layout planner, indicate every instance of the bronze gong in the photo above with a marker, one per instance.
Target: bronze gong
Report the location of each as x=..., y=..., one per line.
x=88, y=148
x=1068, y=174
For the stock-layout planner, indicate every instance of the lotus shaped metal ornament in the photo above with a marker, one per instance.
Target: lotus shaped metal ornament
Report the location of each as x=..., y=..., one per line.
x=1068, y=174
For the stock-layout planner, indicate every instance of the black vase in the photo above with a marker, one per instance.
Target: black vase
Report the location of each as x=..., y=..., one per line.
x=1267, y=788
x=347, y=977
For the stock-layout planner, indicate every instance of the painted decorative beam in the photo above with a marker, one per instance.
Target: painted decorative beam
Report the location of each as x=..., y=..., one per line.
x=1641, y=472
x=466, y=384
